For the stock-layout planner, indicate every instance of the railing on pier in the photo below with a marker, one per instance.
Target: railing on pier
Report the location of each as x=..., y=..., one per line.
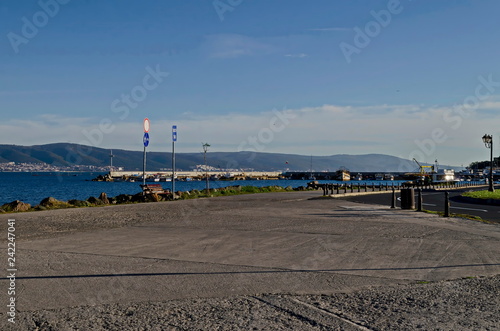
x=407, y=191
x=345, y=188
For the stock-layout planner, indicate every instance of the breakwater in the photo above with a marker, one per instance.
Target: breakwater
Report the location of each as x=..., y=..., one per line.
x=193, y=175
x=250, y=175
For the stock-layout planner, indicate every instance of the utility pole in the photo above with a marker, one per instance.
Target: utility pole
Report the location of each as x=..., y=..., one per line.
x=488, y=142
x=111, y=156
x=174, y=139
x=205, y=149
x=145, y=140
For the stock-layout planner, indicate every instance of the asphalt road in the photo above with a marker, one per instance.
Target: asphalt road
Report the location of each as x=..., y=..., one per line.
x=434, y=201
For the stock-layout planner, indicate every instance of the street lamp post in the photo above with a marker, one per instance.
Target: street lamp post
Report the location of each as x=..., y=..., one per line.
x=111, y=156
x=205, y=149
x=488, y=142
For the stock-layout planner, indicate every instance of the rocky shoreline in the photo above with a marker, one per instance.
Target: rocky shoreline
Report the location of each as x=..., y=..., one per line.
x=141, y=197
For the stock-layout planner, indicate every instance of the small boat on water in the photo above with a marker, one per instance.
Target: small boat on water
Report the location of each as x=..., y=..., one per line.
x=443, y=175
x=388, y=177
x=343, y=175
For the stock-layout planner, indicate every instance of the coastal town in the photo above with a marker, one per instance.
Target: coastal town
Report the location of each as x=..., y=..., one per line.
x=44, y=167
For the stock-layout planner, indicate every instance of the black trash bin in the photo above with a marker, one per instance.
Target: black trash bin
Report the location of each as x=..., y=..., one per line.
x=408, y=198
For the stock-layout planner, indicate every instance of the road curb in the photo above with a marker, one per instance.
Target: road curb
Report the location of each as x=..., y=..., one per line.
x=343, y=195
x=478, y=201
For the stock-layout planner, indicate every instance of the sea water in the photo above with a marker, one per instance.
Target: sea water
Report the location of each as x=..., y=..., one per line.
x=34, y=187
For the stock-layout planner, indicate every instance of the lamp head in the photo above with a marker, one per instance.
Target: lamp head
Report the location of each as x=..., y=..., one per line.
x=487, y=140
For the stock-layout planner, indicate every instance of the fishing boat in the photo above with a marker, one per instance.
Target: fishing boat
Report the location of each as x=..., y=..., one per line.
x=443, y=175
x=388, y=177
x=343, y=175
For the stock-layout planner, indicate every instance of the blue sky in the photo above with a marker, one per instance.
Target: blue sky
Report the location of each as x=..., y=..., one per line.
x=270, y=76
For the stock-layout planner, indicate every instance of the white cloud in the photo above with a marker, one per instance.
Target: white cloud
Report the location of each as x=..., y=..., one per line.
x=493, y=105
x=299, y=55
x=335, y=29
x=233, y=45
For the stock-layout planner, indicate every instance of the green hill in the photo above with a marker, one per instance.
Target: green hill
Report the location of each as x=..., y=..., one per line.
x=65, y=154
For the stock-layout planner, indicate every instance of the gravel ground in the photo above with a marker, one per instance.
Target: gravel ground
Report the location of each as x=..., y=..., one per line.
x=402, y=303
x=464, y=304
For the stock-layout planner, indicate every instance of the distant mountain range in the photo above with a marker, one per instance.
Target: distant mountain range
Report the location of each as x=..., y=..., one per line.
x=65, y=154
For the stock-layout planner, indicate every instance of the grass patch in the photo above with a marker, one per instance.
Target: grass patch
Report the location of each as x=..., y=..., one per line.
x=234, y=190
x=483, y=195
x=466, y=216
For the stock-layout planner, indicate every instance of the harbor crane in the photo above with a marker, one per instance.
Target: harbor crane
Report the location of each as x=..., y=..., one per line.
x=422, y=168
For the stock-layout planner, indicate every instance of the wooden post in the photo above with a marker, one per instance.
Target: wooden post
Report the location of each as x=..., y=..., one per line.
x=393, y=198
x=420, y=201
x=446, y=204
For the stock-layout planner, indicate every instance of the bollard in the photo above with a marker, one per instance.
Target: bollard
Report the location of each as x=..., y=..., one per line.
x=345, y=188
x=446, y=204
x=393, y=198
x=338, y=189
x=408, y=198
x=373, y=187
x=359, y=187
x=352, y=188
x=420, y=200
x=366, y=187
